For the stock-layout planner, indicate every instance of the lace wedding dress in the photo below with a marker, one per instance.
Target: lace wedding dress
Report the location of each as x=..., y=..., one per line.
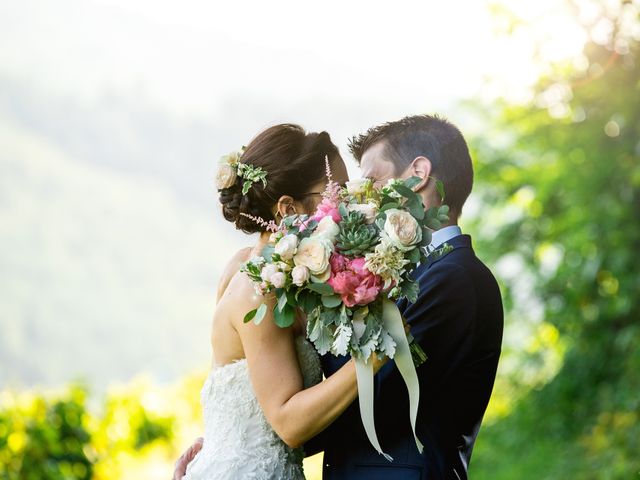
x=239, y=443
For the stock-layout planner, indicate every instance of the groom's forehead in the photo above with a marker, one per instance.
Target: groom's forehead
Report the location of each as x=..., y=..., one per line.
x=375, y=160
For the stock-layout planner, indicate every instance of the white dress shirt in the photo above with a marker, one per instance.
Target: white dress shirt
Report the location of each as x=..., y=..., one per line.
x=442, y=236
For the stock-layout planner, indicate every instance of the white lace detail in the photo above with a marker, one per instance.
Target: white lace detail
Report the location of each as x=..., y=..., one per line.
x=239, y=443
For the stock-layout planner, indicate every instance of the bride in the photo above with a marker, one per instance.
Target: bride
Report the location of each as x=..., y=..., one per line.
x=263, y=398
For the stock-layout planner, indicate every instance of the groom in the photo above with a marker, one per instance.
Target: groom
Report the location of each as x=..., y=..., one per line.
x=457, y=320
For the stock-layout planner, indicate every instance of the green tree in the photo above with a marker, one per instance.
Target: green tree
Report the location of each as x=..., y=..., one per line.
x=564, y=185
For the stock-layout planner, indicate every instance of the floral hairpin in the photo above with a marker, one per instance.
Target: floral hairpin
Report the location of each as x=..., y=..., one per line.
x=231, y=167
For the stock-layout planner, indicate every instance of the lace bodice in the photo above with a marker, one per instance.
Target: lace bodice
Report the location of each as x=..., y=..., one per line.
x=238, y=440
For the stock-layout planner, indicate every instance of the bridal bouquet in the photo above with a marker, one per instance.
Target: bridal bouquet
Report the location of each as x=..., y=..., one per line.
x=345, y=266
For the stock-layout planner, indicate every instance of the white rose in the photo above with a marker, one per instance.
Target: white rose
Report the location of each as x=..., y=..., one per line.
x=278, y=279
x=327, y=228
x=369, y=210
x=355, y=187
x=402, y=229
x=258, y=260
x=268, y=271
x=286, y=246
x=313, y=253
x=300, y=275
x=226, y=176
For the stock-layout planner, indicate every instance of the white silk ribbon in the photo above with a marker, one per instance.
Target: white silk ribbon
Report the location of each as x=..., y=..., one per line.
x=392, y=322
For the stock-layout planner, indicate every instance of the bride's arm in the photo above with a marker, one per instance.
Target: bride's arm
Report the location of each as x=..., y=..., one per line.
x=296, y=414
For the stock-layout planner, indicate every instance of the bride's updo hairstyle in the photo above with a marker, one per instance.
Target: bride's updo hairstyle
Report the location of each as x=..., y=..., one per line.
x=294, y=161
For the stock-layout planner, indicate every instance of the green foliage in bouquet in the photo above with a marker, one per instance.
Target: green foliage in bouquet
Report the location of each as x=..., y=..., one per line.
x=366, y=253
x=398, y=194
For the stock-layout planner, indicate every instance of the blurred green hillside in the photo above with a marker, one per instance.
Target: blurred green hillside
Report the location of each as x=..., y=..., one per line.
x=103, y=273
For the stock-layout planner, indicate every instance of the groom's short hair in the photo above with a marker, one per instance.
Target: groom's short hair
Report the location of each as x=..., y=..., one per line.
x=430, y=136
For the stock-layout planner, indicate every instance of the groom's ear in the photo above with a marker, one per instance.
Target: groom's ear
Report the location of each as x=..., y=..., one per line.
x=421, y=168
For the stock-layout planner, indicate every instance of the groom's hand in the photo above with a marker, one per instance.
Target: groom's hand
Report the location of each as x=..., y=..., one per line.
x=185, y=458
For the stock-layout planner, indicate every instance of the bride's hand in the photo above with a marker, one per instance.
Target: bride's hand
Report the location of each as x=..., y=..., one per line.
x=185, y=458
x=378, y=362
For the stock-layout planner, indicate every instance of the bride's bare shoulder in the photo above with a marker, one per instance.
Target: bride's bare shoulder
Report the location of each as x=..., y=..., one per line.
x=232, y=268
x=241, y=296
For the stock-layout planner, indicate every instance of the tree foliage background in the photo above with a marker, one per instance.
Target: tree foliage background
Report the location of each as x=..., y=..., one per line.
x=559, y=217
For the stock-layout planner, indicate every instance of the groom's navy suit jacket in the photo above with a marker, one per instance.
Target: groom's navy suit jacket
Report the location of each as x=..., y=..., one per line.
x=458, y=321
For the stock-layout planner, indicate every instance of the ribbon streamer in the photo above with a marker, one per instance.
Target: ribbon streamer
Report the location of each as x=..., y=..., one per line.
x=364, y=375
x=392, y=322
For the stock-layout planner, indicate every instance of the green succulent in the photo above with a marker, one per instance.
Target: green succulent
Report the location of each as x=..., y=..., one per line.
x=356, y=236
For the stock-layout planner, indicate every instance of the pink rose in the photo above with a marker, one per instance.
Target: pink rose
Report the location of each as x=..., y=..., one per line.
x=325, y=209
x=352, y=281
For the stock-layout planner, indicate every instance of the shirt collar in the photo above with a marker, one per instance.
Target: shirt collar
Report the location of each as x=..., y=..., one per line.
x=443, y=235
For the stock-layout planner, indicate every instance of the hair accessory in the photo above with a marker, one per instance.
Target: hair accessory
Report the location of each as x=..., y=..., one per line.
x=231, y=167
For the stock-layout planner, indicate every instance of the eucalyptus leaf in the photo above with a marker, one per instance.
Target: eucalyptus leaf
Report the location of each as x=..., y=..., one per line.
x=284, y=318
x=416, y=208
x=434, y=224
x=321, y=288
x=388, y=206
x=414, y=255
x=307, y=301
x=260, y=313
x=343, y=210
x=404, y=191
x=412, y=181
x=331, y=301
x=267, y=252
x=426, y=237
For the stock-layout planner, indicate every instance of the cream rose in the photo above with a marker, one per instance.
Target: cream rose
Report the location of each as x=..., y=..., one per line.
x=313, y=253
x=356, y=187
x=402, y=229
x=226, y=176
x=327, y=228
x=369, y=210
x=286, y=246
x=300, y=275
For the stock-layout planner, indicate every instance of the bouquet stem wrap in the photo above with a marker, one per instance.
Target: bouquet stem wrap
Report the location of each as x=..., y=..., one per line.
x=392, y=321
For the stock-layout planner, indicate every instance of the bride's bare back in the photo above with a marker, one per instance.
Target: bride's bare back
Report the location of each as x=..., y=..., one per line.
x=225, y=340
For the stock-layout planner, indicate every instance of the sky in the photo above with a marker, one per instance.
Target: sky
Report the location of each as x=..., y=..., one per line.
x=193, y=56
